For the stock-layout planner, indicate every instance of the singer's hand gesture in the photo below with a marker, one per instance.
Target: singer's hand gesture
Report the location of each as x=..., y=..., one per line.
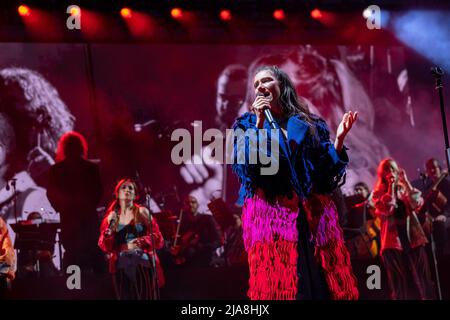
x=346, y=124
x=344, y=127
x=112, y=218
x=108, y=233
x=140, y=242
x=258, y=106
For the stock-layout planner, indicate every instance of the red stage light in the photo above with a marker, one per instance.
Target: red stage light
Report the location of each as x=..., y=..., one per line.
x=74, y=11
x=176, y=13
x=24, y=11
x=225, y=15
x=125, y=13
x=279, y=14
x=316, y=14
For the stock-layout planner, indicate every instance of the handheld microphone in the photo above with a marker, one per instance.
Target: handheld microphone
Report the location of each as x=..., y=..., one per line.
x=268, y=113
x=113, y=220
x=108, y=231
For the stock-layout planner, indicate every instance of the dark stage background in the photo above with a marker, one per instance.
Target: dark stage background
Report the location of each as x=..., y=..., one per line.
x=176, y=84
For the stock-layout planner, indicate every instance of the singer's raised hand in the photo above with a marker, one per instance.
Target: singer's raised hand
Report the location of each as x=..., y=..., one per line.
x=348, y=119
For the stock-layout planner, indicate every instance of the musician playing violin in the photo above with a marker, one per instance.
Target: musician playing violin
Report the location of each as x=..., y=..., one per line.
x=199, y=236
x=435, y=187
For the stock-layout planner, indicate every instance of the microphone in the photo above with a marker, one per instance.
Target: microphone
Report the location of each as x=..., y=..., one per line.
x=267, y=113
x=436, y=71
x=113, y=220
x=108, y=232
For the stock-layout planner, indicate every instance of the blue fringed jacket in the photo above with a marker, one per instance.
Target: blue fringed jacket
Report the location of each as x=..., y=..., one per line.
x=309, y=162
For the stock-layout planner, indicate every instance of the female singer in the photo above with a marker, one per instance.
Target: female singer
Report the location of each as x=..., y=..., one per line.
x=129, y=239
x=402, y=237
x=290, y=224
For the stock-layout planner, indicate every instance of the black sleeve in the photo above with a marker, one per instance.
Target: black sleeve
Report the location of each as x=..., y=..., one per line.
x=53, y=190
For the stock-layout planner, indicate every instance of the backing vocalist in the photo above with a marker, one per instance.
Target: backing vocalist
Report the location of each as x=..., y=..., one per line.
x=125, y=236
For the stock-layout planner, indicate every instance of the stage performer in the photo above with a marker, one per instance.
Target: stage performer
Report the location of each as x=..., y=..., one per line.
x=290, y=224
x=402, y=237
x=75, y=190
x=126, y=236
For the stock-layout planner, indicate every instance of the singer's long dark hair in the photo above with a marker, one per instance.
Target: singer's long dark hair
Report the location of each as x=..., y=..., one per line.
x=289, y=101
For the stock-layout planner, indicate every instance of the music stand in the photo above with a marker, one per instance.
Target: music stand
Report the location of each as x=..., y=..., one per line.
x=31, y=236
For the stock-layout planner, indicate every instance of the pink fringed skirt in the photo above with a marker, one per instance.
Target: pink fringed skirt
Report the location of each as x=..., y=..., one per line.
x=271, y=236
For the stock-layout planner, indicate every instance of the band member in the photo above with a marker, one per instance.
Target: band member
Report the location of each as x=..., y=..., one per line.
x=291, y=231
x=75, y=190
x=362, y=189
x=402, y=237
x=129, y=238
x=40, y=255
x=199, y=236
x=7, y=259
x=436, y=190
x=363, y=228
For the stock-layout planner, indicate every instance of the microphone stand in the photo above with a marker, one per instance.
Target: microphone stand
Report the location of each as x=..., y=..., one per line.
x=437, y=74
x=13, y=185
x=433, y=248
x=150, y=218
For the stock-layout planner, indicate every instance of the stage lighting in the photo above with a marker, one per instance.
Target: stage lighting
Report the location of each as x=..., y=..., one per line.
x=176, y=13
x=279, y=14
x=126, y=13
x=23, y=10
x=316, y=14
x=225, y=15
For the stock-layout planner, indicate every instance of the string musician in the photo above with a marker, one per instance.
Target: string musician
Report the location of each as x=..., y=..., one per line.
x=435, y=187
x=362, y=226
x=197, y=237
